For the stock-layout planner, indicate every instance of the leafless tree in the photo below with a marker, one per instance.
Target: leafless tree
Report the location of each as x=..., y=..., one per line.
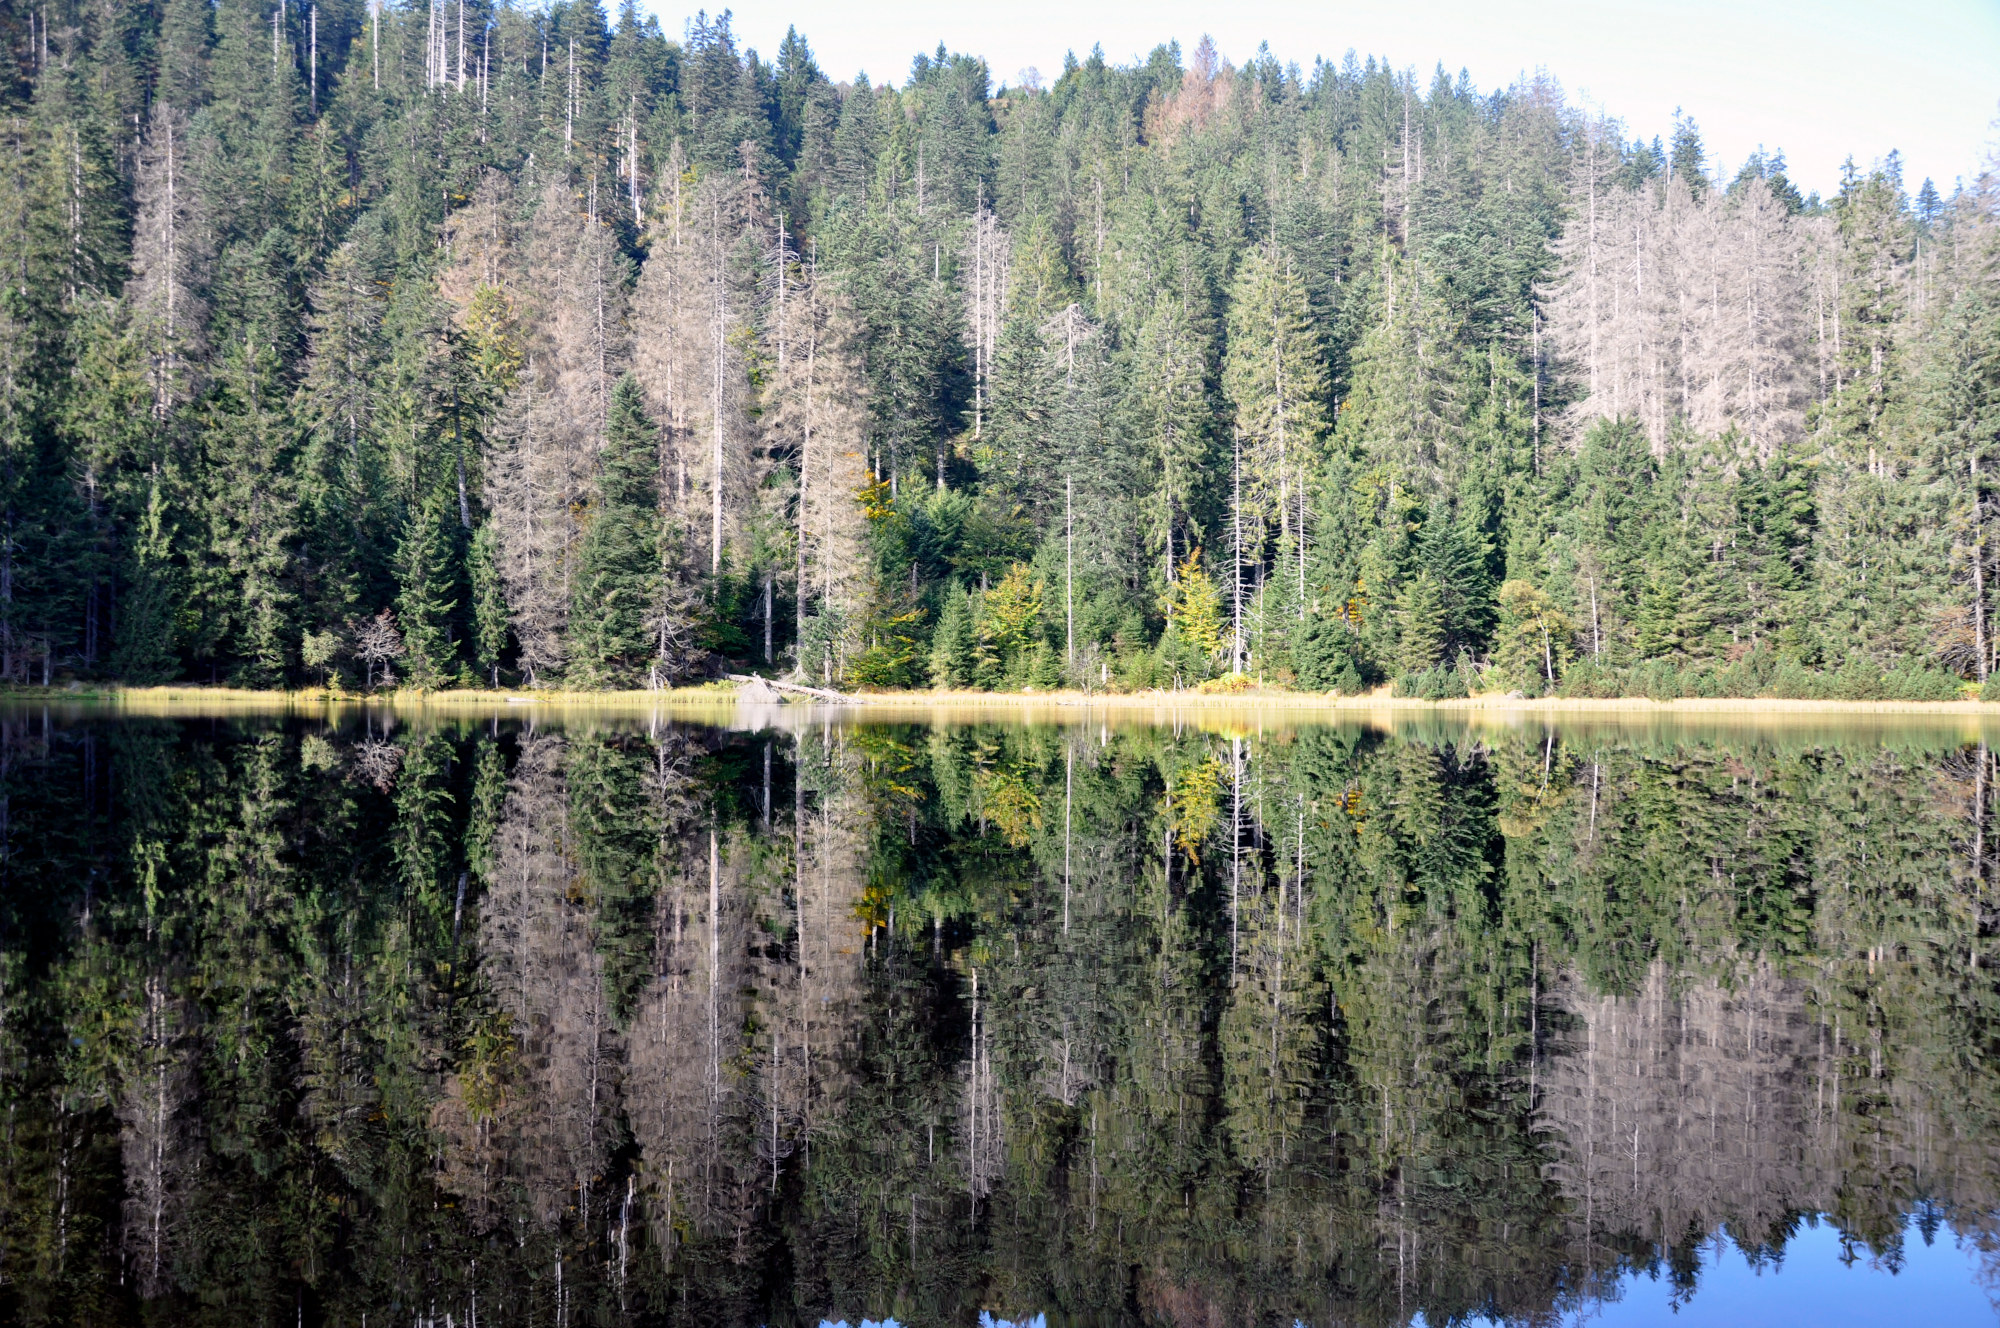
x=377, y=760
x=988, y=255
x=157, y=1141
x=376, y=643
x=538, y=1117
x=481, y=244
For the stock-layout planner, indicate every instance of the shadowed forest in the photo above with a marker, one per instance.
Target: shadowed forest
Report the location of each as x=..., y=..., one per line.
x=472, y=344
x=607, y=1025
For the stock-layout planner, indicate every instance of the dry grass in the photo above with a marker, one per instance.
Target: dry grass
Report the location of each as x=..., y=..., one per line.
x=1381, y=700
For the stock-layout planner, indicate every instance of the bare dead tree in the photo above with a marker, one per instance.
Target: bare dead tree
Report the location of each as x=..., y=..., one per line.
x=695, y=301
x=1674, y=310
x=552, y=424
x=170, y=258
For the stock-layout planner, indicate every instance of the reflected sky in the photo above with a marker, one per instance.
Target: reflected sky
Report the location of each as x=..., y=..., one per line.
x=1819, y=1279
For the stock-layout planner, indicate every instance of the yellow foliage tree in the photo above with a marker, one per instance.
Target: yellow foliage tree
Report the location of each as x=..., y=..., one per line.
x=1194, y=606
x=1534, y=633
x=1014, y=610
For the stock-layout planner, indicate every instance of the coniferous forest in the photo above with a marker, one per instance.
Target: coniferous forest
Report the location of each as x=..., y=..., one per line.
x=460, y=344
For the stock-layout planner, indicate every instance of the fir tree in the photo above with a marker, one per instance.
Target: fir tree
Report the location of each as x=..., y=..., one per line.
x=243, y=592
x=143, y=651
x=293, y=296
x=1275, y=376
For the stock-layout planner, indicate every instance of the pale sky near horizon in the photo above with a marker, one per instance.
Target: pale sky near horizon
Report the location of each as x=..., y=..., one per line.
x=1820, y=81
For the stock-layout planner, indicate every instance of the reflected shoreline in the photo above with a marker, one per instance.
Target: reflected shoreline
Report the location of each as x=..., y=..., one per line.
x=197, y=700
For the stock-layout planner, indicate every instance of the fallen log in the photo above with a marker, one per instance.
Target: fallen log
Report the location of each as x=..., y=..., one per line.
x=817, y=693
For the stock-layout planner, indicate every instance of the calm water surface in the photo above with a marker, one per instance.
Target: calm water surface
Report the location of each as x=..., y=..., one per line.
x=791, y=1019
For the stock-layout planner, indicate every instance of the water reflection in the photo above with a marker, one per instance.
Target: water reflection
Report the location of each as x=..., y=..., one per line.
x=508, y=1021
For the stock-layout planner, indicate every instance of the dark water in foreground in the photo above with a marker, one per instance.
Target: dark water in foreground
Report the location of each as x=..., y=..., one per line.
x=483, y=1023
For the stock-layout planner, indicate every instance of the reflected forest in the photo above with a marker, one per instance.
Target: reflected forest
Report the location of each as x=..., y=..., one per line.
x=511, y=1024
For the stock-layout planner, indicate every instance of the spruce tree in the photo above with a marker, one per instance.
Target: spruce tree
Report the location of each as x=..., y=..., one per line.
x=618, y=591
x=952, y=661
x=143, y=648
x=1405, y=411
x=1421, y=624
x=244, y=594
x=489, y=605
x=1455, y=566
x=427, y=574
x=308, y=318
x=1275, y=376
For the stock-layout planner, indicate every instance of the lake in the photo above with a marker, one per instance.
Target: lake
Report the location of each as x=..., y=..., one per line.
x=791, y=1016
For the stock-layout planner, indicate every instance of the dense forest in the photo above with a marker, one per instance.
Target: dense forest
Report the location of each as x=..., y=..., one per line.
x=600, y=1025
x=483, y=345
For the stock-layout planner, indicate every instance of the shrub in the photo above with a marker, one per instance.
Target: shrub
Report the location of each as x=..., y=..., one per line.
x=1792, y=681
x=1857, y=680
x=1138, y=670
x=886, y=667
x=1656, y=680
x=1436, y=684
x=1588, y=679
x=1183, y=662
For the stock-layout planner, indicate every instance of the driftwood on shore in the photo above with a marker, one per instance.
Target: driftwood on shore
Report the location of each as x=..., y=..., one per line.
x=753, y=684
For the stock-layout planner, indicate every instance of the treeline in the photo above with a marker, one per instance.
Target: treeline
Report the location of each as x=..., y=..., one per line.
x=1321, y=1026
x=466, y=344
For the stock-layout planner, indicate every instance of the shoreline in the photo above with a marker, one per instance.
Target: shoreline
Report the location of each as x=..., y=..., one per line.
x=714, y=696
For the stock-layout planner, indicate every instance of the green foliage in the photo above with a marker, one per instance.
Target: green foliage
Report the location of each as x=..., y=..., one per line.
x=896, y=659
x=1191, y=647
x=1194, y=607
x=1324, y=655
x=1535, y=637
x=319, y=652
x=1420, y=623
x=144, y=647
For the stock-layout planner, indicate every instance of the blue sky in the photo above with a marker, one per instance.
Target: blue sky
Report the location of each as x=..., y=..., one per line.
x=1818, y=80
